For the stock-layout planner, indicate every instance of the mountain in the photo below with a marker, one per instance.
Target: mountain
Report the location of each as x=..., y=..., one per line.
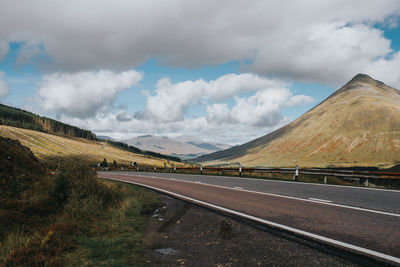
x=23, y=119
x=195, y=141
x=358, y=125
x=105, y=137
x=184, y=146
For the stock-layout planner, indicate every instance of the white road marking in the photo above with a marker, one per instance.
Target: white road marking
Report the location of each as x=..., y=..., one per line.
x=198, y=182
x=295, y=198
x=280, y=181
x=237, y=187
x=330, y=241
x=321, y=200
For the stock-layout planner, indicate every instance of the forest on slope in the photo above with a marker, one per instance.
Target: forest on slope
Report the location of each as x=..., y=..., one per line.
x=19, y=118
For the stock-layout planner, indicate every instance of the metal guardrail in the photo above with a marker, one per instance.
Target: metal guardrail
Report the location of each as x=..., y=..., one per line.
x=340, y=173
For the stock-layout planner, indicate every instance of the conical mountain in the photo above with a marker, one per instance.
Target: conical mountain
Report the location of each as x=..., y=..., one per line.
x=358, y=125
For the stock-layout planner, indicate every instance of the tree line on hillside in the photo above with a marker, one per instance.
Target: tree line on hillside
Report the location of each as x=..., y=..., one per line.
x=139, y=151
x=23, y=119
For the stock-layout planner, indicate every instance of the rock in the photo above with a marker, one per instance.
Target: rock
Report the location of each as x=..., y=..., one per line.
x=166, y=251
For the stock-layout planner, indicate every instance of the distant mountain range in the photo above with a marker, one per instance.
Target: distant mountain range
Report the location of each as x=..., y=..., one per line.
x=358, y=125
x=184, y=146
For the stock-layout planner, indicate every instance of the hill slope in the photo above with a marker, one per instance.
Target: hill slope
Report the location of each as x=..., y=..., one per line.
x=23, y=119
x=47, y=146
x=358, y=125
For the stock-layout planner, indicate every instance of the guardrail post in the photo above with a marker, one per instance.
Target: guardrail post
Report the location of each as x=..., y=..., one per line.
x=240, y=170
x=155, y=168
x=366, y=182
x=137, y=168
x=174, y=168
x=296, y=173
x=201, y=169
x=325, y=180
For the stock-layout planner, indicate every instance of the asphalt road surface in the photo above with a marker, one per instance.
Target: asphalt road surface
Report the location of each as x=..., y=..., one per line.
x=366, y=218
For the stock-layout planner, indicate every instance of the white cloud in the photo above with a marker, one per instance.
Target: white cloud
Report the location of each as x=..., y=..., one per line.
x=4, y=89
x=263, y=109
x=171, y=100
x=384, y=69
x=108, y=124
x=83, y=94
x=218, y=113
x=165, y=114
x=321, y=41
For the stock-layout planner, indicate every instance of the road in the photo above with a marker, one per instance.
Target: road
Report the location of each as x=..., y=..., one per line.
x=366, y=218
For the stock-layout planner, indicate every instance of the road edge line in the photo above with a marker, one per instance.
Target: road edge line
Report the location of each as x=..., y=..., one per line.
x=333, y=204
x=332, y=242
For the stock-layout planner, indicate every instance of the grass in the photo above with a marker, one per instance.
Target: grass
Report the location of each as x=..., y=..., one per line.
x=116, y=240
x=48, y=148
x=86, y=222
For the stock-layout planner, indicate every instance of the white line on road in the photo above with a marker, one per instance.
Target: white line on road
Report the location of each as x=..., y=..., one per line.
x=288, y=197
x=321, y=200
x=296, y=198
x=331, y=241
x=280, y=181
x=237, y=187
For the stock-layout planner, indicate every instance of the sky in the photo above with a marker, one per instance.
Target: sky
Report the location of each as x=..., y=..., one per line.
x=223, y=71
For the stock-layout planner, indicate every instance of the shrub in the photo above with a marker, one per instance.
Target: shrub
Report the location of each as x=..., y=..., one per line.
x=61, y=189
x=10, y=187
x=44, y=248
x=85, y=195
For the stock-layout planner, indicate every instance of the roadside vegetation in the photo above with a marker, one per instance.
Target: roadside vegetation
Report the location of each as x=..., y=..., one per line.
x=70, y=218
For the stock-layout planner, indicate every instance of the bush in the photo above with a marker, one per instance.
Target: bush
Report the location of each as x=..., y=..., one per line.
x=10, y=187
x=82, y=195
x=61, y=189
x=46, y=246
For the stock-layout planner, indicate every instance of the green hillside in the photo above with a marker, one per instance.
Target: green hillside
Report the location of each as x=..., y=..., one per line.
x=23, y=119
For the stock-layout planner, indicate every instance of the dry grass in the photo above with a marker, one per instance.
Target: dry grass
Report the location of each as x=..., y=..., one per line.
x=47, y=147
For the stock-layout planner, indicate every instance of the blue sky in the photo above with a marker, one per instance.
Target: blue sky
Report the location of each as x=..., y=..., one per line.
x=226, y=72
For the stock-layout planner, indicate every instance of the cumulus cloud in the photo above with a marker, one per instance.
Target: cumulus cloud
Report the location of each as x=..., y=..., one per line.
x=107, y=124
x=312, y=40
x=171, y=100
x=4, y=89
x=263, y=109
x=83, y=94
x=165, y=114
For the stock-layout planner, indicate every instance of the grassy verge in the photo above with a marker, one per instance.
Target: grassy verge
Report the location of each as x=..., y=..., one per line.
x=80, y=221
x=116, y=239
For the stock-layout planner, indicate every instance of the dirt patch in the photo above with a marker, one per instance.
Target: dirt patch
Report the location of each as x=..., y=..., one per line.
x=198, y=237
